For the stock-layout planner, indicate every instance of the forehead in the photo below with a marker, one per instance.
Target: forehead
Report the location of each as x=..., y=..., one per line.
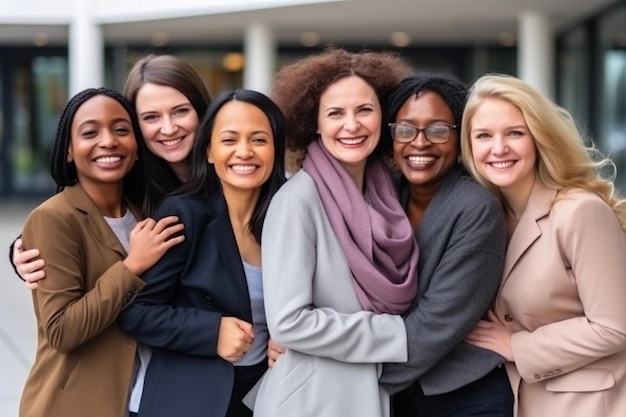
x=155, y=96
x=427, y=104
x=99, y=108
x=348, y=89
x=236, y=114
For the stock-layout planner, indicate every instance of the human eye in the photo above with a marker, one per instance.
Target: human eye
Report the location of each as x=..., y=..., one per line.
x=259, y=140
x=148, y=118
x=366, y=110
x=122, y=130
x=334, y=114
x=480, y=136
x=181, y=111
x=516, y=133
x=404, y=131
x=438, y=131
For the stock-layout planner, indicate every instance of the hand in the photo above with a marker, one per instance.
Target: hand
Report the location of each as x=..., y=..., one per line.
x=492, y=335
x=28, y=264
x=274, y=350
x=234, y=339
x=149, y=240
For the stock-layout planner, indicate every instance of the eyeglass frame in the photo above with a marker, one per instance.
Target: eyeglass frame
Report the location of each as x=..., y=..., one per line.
x=421, y=129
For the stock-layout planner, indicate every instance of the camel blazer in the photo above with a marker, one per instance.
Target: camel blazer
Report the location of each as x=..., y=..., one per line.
x=334, y=348
x=188, y=291
x=563, y=294
x=84, y=362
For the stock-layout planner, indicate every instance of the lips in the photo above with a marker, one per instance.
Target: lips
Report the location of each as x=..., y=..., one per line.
x=502, y=164
x=108, y=160
x=352, y=141
x=243, y=169
x=420, y=161
x=171, y=142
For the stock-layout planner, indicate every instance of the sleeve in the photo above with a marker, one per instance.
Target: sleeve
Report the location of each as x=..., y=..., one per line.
x=11, y=246
x=290, y=254
x=594, y=248
x=154, y=318
x=71, y=314
x=458, y=294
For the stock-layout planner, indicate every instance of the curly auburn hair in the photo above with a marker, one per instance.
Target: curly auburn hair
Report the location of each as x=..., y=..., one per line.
x=298, y=86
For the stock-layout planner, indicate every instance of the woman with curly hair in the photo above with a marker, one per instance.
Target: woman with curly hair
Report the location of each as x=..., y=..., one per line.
x=339, y=256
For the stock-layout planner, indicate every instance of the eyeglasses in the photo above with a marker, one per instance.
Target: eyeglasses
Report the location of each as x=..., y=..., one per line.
x=405, y=133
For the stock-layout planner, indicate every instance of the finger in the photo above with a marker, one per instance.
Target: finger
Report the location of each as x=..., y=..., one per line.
x=164, y=223
x=33, y=266
x=17, y=245
x=31, y=285
x=34, y=276
x=246, y=327
x=492, y=316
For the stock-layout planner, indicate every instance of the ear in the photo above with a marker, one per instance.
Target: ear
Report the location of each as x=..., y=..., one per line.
x=70, y=158
x=209, y=156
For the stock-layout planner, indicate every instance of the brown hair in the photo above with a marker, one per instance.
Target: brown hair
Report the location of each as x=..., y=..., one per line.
x=298, y=86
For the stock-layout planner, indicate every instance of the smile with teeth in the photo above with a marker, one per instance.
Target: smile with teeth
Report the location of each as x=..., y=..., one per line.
x=352, y=141
x=502, y=164
x=243, y=168
x=420, y=159
x=172, y=142
x=108, y=159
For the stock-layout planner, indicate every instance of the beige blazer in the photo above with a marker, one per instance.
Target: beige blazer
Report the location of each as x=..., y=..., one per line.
x=564, y=295
x=84, y=362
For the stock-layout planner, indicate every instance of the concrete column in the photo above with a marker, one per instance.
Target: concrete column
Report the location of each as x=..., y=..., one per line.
x=260, y=57
x=536, y=52
x=86, y=48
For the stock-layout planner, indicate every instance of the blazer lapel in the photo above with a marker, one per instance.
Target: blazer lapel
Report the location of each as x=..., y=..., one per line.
x=94, y=220
x=222, y=233
x=527, y=230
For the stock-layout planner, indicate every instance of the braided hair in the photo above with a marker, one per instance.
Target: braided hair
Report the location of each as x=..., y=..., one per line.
x=64, y=172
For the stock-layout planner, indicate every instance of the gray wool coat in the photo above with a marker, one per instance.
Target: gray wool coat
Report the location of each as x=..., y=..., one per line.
x=462, y=241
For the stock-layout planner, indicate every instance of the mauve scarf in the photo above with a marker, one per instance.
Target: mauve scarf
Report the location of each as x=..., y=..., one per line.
x=377, y=238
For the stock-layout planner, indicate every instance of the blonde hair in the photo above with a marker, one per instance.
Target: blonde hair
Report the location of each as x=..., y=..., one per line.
x=564, y=161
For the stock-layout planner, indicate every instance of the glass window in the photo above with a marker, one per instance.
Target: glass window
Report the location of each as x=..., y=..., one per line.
x=612, y=99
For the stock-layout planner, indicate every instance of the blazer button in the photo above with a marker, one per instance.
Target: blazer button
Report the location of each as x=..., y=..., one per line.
x=508, y=317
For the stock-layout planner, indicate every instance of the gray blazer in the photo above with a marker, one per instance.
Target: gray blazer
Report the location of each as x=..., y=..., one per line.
x=334, y=349
x=462, y=243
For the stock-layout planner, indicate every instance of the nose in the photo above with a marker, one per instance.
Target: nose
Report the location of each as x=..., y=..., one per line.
x=168, y=126
x=420, y=140
x=108, y=139
x=243, y=150
x=499, y=146
x=351, y=123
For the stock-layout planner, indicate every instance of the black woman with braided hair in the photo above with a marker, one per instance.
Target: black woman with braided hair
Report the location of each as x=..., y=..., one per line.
x=95, y=248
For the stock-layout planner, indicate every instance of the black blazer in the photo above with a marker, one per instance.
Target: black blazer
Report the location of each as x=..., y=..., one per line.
x=178, y=313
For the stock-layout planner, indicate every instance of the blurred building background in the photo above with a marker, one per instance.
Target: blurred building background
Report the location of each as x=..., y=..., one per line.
x=575, y=50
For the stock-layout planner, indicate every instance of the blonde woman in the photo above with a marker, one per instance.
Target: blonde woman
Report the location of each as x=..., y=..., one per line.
x=559, y=316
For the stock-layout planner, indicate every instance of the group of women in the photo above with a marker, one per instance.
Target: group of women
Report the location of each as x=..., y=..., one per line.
x=488, y=291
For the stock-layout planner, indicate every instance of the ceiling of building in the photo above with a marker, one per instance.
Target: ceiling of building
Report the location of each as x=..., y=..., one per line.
x=361, y=22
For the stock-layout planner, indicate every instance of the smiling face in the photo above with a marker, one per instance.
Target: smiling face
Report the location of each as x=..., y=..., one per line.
x=242, y=147
x=425, y=164
x=168, y=123
x=349, y=122
x=503, y=149
x=103, y=146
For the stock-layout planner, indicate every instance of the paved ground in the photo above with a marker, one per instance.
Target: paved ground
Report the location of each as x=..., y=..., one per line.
x=17, y=321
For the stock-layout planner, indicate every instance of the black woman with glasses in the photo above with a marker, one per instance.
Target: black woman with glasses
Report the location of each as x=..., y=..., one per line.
x=461, y=234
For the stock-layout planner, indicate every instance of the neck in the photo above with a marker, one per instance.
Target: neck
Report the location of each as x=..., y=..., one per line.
x=357, y=173
x=107, y=199
x=181, y=169
x=241, y=204
x=419, y=199
x=516, y=200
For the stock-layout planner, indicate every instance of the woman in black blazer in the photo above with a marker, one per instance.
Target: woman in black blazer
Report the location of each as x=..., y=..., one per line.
x=202, y=308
